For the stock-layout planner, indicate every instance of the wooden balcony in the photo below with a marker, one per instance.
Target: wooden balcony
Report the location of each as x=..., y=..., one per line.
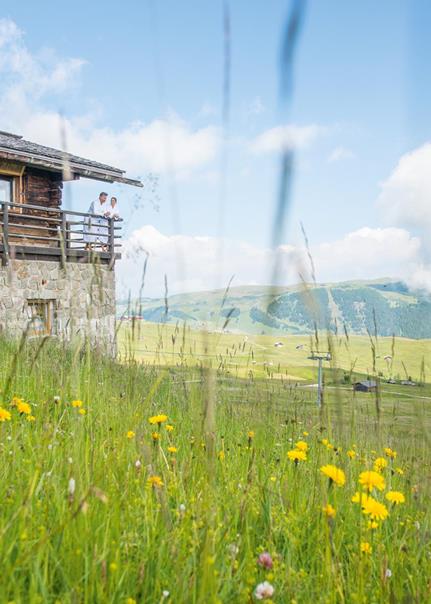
x=34, y=232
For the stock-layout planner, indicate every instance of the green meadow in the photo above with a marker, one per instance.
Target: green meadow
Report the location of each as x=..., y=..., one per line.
x=209, y=479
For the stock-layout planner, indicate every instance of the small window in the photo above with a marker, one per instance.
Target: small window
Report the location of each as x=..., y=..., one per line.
x=41, y=316
x=6, y=189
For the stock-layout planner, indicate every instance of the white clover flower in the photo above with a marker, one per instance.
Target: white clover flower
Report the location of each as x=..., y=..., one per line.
x=388, y=573
x=182, y=508
x=165, y=594
x=264, y=590
x=138, y=464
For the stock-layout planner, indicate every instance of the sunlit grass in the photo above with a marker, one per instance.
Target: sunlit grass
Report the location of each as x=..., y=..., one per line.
x=106, y=506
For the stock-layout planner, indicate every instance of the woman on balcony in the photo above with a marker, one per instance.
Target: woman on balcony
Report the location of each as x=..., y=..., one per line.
x=96, y=227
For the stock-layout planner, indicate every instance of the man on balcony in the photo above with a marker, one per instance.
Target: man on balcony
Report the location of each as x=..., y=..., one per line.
x=96, y=228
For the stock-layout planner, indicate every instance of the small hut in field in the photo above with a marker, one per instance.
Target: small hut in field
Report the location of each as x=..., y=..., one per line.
x=51, y=283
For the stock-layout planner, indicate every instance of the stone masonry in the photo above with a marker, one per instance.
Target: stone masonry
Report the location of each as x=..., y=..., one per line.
x=82, y=297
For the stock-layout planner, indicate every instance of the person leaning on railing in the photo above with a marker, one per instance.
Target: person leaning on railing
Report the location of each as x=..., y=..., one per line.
x=96, y=227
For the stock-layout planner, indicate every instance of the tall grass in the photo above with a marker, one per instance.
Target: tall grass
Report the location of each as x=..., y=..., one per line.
x=79, y=521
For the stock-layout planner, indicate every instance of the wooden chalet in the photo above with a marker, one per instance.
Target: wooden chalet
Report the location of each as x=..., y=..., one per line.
x=33, y=224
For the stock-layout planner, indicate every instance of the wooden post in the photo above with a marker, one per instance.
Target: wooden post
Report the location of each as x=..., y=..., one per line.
x=63, y=240
x=5, y=259
x=111, y=242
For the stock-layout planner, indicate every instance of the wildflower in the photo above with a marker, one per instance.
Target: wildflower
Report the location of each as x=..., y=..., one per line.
x=301, y=445
x=113, y=567
x=158, y=419
x=4, y=415
x=296, y=455
x=130, y=601
x=165, y=594
x=172, y=449
x=82, y=412
x=263, y=591
x=351, y=453
x=380, y=464
x=388, y=573
x=77, y=404
x=130, y=434
x=221, y=455
x=71, y=487
x=334, y=474
x=366, y=547
x=265, y=560
x=395, y=497
x=56, y=398
x=138, y=464
x=23, y=408
x=31, y=418
x=372, y=524
x=250, y=434
x=325, y=442
x=399, y=471
x=155, y=481
x=305, y=433
x=374, y=509
x=15, y=401
x=390, y=453
x=370, y=480
x=329, y=510
x=359, y=497
x=182, y=508
x=169, y=427
x=155, y=436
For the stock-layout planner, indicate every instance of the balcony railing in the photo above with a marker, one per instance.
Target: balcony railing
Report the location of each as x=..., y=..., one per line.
x=37, y=230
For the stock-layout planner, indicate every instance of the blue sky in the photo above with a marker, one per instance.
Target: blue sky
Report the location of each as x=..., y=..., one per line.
x=360, y=103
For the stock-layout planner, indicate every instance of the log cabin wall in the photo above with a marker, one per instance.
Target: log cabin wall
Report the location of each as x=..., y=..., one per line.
x=39, y=187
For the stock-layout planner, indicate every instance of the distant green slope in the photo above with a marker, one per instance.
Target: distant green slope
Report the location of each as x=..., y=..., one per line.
x=357, y=307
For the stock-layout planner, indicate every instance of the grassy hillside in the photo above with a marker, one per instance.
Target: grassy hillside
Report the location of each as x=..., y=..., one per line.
x=385, y=307
x=165, y=344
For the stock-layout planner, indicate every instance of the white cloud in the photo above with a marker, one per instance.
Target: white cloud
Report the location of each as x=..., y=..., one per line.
x=29, y=80
x=285, y=137
x=339, y=154
x=193, y=263
x=405, y=196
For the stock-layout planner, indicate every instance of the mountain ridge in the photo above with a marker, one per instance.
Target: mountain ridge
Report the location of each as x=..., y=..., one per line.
x=387, y=306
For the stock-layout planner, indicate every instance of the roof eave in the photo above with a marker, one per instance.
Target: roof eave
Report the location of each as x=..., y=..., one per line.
x=113, y=175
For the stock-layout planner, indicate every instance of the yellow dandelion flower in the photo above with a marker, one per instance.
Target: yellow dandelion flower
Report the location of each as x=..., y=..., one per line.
x=172, y=449
x=82, y=412
x=371, y=480
x=297, y=455
x=334, y=474
x=169, y=427
x=390, y=452
x=23, y=408
x=366, y=547
x=329, y=510
x=351, y=453
x=305, y=433
x=155, y=436
x=31, y=418
x=155, y=481
x=380, y=464
x=399, y=471
x=221, y=455
x=372, y=524
x=374, y=509
x=130, y=434
x=301, y=445
x=395, y=497
x=250, y=434
x=77, y=404
x=158, y=419
x=325, y=442
x=4, y=415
